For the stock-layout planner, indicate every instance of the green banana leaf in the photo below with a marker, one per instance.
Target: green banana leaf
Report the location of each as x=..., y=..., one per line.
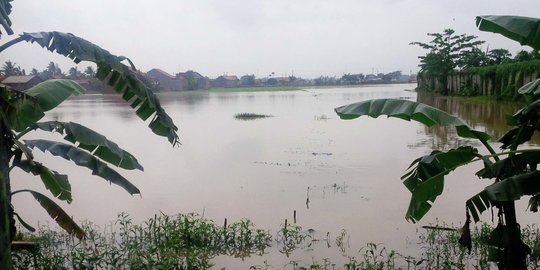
x=93, y=142
x=409, y=110
x=477, y=204
x=23, y=223
x=524, y=30
x=57, y=183
x=513, y=188
x=112, y=71
x=56, y=213
x=425, y=178
x=46, y=96
x=84, y=159
x=5, y=10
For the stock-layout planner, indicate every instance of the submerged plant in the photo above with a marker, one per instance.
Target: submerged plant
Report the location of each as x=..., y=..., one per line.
x=250, y=116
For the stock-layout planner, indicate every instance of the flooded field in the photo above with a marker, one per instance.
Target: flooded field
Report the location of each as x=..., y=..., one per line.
x=338, y=176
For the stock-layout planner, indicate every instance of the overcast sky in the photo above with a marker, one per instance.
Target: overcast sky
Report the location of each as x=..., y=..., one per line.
x=307, y=38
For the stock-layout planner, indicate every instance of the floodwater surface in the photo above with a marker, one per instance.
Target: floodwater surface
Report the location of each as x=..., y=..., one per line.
x=336, y=174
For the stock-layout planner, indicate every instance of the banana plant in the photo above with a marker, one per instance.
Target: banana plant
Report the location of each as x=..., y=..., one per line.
x=513, y=170
x=21, y=112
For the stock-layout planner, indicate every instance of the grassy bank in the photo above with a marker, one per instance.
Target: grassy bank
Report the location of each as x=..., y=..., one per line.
x=191, y=242
x=264, y=89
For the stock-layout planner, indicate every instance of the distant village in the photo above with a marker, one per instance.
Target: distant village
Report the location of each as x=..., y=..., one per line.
x=160, y=80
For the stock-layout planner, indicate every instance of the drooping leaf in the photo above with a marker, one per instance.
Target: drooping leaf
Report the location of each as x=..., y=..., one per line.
x=531, y=88
x=512, y=188
x=516, y=136
x=409, y=110
x=477, y=204
x=47, y=95
x=93, y=142
x=524, y=30
x=515, y=164
x=57, y=213
x=425, y=178
x=110, y=70
x=57, y=183
x=534, y=202
x=84, y=159
x=23, y=223
x=5, y=10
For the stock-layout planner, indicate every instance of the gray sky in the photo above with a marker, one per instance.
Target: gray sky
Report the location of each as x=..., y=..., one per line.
x=215, y=37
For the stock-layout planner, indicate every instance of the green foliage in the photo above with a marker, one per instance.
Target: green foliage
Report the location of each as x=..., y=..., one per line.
x=111, y=70
x=521, y=29
x=21, y=111
x=5, y=10
x=162, y=242
x=513, y=176
x=448, y=51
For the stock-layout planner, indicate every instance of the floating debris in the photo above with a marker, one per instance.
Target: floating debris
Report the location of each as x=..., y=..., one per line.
x=321, y=154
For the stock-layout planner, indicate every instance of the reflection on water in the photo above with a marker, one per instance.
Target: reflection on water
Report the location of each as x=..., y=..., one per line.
x=333, y=174
x=485, y=115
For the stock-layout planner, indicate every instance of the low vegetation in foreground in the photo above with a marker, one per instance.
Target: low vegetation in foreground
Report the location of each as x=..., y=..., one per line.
x=189, y=241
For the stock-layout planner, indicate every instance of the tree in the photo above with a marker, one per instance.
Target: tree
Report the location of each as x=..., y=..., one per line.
x=474, y=57
x=20, y=114
x=34, y=72
x=499, y=56
x=247, y=80
x=523, y=56
x=10, y=69
x=445, y=49
x=89, y=72
x=74, y=74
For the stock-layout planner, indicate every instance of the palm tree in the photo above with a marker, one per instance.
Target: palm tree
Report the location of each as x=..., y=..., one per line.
x=10, y=69
x=74, y=73
x=89, y=72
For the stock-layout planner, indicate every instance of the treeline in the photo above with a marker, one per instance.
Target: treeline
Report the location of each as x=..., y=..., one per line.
x=456, y=65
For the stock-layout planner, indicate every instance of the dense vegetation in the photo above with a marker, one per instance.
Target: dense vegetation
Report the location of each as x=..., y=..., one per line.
x=456, y=65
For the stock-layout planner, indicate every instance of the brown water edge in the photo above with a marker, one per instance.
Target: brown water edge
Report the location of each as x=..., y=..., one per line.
x=262, y=169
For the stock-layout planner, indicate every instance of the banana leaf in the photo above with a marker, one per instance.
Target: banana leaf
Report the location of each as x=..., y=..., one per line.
x=56, y=213
x=409, y=110
x=84, y=159
x=5, y=10
x=524, y=30
x=111, y=70
x=45, y=96
x=93, y=142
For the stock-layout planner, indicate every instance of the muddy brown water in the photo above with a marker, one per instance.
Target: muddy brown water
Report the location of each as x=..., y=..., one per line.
x=262, y=169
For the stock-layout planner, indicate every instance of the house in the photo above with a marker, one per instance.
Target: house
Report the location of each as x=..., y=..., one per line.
x=226, y=81
x=166, y=81
x=194, y=80
x=22, y=83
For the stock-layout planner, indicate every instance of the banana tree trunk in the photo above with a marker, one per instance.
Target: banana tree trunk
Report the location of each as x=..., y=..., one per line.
x=516, y=251
x=5, y=215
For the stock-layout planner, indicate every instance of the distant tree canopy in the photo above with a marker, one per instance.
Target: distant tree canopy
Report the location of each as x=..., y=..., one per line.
x=448, y=51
